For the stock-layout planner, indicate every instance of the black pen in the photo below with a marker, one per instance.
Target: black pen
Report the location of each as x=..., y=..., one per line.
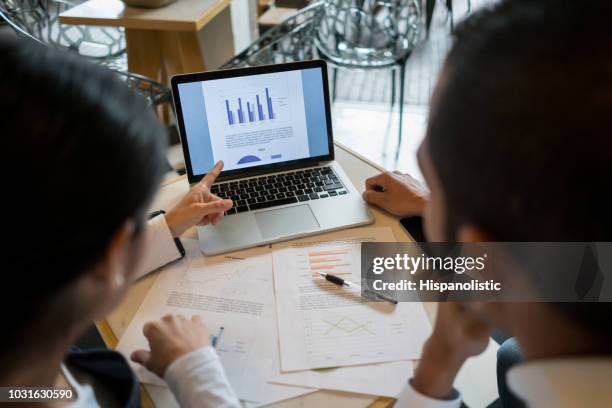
x=343, y=282
x=215, y=339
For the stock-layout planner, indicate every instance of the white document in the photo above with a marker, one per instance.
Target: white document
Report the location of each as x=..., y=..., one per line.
x=234, y=292
x=324, y=325
x=383, y=379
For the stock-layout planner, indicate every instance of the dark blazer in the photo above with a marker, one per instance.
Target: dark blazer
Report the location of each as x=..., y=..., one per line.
x=111, y=369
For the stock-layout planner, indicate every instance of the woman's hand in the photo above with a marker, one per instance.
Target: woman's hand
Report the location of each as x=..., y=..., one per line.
x=199, y=206
x=457, y=335
x=169, y=339
x=396, y=193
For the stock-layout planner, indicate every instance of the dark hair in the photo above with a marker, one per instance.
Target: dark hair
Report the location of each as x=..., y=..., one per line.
x=82, y=154
x=520, y=132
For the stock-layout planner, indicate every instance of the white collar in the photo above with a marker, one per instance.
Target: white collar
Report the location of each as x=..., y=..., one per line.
x=569, y=382
x=85, y=395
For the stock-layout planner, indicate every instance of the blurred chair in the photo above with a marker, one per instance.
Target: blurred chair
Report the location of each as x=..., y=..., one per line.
x=430, y=6
x=37, y=20
x=370, y=34
x=292, y=40
x=353, y=34
x=40, y=19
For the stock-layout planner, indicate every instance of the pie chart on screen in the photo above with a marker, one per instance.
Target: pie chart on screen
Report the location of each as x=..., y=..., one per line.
x=249, y=159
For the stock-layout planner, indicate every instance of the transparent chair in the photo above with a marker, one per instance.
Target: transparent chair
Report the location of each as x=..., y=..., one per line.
x=38, y=21
x=292, y=40
x=370, y=34
x=430, y=6
x=40, y=18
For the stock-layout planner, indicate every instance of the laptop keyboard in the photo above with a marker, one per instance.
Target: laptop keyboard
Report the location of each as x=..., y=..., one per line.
x=280, y=189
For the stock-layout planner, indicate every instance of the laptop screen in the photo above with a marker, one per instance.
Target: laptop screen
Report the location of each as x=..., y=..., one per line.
x=254, y=120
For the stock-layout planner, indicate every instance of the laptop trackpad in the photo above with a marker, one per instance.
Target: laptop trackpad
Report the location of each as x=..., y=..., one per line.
x=286, y=221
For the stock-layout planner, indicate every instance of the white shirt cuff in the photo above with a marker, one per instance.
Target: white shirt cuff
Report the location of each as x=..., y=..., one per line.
x=411, y=398
x=159, y=248
x=197, y=379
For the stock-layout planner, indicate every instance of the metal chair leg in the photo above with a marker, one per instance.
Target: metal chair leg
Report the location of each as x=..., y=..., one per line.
x=391, y=112
x=334, y=84
x=401, y=107
x=392, y=89
x=430, y=5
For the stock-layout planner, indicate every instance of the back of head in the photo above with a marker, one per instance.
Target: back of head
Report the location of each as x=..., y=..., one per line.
x=82, y=154
x=520, y=131
x=521, y=134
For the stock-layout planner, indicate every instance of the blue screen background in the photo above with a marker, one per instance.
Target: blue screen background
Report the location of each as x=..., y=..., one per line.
x=198, y=133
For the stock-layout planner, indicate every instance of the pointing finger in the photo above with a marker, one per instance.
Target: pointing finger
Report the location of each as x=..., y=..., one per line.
x=212, y=175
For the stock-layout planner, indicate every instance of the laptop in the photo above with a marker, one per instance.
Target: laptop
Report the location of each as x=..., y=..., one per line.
x=271, y=126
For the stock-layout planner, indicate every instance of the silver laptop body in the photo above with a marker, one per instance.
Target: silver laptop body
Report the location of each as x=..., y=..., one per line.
x=280, y=199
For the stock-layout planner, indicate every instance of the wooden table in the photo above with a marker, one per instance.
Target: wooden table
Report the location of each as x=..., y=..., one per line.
x=477, y=380
x=186, y=36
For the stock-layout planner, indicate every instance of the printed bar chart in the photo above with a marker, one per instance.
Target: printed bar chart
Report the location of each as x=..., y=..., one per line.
x=335, y=261
x=254, y=110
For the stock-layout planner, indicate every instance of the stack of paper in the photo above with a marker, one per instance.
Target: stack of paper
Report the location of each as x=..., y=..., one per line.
x=287, y=333
x=231, y=292
x=323, y=325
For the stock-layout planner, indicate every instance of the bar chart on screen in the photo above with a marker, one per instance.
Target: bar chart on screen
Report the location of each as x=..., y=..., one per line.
x=255, y=110
x=256, y=119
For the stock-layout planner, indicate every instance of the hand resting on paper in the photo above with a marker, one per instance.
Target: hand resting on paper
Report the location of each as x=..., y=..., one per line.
x=169, y=339
x=199, y=206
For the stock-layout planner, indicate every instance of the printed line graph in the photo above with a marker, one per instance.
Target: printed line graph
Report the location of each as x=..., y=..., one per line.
x=224, y=276
x=234, y=281
x=347, y=325
x=357, y=333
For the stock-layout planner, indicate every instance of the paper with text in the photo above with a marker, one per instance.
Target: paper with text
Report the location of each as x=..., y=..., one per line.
x=383, y=379
x=324, y=325
x=234, y=292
